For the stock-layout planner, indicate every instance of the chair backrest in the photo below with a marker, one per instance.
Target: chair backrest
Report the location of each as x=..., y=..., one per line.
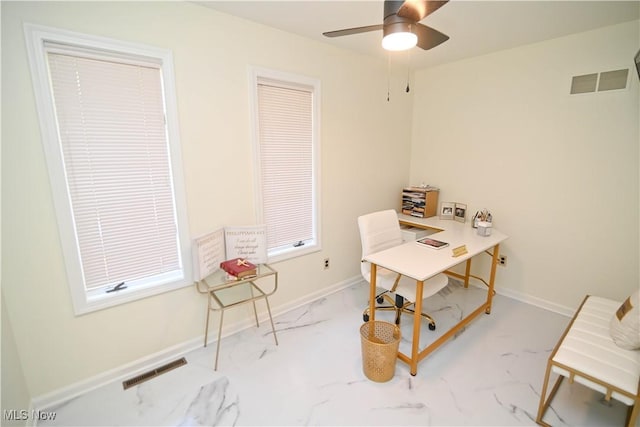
x=378, y=231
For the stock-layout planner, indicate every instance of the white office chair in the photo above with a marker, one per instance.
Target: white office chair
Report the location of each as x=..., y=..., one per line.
x=380, y=231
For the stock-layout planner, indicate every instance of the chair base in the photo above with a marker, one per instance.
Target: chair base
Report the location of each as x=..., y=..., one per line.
x=399, y=306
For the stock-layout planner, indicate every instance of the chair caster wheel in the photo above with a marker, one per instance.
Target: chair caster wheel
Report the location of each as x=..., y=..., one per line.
x=380, y=300
x=432, y=326
x=365, y=317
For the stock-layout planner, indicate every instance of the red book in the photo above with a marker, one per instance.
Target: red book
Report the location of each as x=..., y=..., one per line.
x=239, y=267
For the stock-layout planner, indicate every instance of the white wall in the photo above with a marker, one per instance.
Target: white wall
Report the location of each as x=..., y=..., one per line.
x=15, y=395
x=559, y=172
x=212, y=52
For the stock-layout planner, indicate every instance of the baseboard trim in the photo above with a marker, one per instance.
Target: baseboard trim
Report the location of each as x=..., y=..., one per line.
x=59, y=396
x=537, y=302
x=528, y=299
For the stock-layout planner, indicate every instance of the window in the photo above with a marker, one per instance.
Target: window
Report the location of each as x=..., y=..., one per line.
x=107, y=112
x=286, y=141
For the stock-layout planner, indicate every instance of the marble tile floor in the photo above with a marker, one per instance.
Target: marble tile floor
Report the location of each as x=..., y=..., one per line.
x=489, y=374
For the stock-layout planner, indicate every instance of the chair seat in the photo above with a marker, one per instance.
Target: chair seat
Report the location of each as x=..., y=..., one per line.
x=385, y=279
x=407, y=287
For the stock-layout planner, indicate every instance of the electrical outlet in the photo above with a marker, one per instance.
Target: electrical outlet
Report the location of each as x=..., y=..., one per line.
x=503, y=260
x=326, y=263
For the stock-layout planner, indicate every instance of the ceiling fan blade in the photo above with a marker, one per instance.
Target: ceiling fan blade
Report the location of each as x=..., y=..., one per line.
x=416, y=10
x=429, y=38
x=349, y=31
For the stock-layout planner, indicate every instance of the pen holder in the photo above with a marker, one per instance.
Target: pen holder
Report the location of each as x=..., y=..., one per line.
x=483, y=215
x=484, y=228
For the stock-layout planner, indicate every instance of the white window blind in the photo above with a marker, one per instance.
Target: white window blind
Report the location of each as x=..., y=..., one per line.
x=113, y=137
x=285, y=134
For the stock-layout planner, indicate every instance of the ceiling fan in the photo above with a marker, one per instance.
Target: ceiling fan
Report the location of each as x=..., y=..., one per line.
x=401, y=27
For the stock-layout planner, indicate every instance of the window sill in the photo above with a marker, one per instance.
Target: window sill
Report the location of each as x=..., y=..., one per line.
x=289, y=253
x=95, y=302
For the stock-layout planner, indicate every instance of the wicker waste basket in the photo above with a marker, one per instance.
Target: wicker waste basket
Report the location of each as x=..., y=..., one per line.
x=380, y=341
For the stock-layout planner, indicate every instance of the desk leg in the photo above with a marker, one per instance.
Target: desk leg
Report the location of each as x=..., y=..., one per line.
x=417, y=318
x=492, y=277
x=467, y=273
x=372, y=292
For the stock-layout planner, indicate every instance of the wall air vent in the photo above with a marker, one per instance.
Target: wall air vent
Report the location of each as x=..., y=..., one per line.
x=607, y=80
x=584, y=84
x=612, y=80
x=146, y=376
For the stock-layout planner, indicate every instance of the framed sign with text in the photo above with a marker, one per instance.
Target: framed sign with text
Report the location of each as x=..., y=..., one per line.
x=209, y=252
x=248, y=242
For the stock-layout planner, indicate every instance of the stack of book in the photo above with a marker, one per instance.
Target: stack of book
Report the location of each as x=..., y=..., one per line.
x=239, y=268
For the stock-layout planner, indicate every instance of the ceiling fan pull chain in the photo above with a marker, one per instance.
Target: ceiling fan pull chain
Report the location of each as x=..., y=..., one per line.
x=408, y=68
x=388, y=76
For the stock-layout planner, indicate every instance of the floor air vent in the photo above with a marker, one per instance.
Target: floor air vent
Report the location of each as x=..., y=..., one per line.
x=146, y=376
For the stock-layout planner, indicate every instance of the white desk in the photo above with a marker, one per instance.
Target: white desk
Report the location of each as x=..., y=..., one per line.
x=421, y=263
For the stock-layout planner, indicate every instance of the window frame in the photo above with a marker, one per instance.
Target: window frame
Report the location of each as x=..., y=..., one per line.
x=86, y=301
x=288, y=80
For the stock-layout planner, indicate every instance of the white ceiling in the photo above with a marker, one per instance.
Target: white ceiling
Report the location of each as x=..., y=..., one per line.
x=475, y=27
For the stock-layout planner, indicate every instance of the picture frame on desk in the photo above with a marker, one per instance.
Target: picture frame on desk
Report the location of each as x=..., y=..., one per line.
x=447, y=210
x=460, y=212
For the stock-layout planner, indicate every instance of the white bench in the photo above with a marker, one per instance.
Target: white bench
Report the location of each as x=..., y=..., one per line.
x=587, y=354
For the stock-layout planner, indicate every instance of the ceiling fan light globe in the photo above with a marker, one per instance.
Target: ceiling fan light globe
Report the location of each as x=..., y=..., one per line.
x=399, y=41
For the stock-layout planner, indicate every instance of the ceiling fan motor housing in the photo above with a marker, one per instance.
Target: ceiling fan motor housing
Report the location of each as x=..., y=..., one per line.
x=394, y=23
x=397, y=27
x=391, y=8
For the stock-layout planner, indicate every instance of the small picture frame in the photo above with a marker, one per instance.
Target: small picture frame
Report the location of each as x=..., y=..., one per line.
x=447, y=210
x=460, y=212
